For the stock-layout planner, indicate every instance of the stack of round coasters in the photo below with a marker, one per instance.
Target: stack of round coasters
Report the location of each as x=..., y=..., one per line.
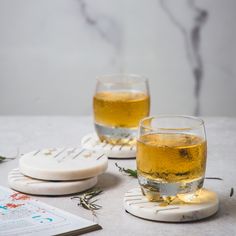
x=92, y=142
x=58, y=171
x=204, y=205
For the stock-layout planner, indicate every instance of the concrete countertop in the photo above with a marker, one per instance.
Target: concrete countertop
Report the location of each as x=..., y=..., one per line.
x=34, y=132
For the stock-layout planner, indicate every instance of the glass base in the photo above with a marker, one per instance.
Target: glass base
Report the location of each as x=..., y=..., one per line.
x=158, y=191
x=116, y=136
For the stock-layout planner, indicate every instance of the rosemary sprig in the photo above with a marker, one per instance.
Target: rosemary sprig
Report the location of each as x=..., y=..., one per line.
x=133, y=173
x=129, y=172
x=4, y=159
x=86, y=200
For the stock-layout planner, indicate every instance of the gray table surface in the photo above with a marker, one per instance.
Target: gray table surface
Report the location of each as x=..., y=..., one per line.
x=31, y=133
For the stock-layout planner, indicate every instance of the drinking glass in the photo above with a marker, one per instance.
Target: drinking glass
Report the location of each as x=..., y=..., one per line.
x=119, y=103
x=171, y=155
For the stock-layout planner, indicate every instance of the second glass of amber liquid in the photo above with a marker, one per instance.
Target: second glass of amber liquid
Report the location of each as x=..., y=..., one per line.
x=119, y=103
x=171, y=156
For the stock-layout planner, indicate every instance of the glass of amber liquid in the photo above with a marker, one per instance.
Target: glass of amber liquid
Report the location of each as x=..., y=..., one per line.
x=119, y=103
x=171, y=156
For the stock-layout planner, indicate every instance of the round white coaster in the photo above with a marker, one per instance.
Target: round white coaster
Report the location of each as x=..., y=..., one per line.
x=205, y=205
x=63, y=164
x=92, y=142
x=24, y=184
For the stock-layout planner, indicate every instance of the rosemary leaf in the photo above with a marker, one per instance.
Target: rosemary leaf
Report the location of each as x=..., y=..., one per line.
x=86, y=200
x=217, y=178
x=129, y=172
x=231, y=192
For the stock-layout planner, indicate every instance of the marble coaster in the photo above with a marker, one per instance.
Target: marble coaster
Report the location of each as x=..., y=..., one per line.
x=205, y=205
x=92, y=142
x=63, y=164
x=24, y=184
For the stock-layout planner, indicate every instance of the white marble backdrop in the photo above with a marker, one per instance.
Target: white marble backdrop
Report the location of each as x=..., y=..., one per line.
x=52, y=50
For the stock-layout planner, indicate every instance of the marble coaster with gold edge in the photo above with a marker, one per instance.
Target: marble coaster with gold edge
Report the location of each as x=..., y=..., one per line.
x=63, y=164
x=25, y=184
x=204, y=205
x=92, y=142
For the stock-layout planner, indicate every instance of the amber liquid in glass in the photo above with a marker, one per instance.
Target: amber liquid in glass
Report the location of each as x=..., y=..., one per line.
x=171, y=157
x=117, y=115
x=120, y=108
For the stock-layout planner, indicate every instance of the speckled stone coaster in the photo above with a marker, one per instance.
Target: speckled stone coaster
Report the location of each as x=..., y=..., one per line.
x=203, y=206
x=63, y=164
x=92, y=142
x=24, y=184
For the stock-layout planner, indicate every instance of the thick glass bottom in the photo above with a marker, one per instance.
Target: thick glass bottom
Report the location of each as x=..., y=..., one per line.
x=115, y=135
x=157, y=190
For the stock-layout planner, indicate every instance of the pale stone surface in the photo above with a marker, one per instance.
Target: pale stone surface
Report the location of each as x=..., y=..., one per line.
x=204, y=205
x=63, y=164
x=24, y=184
x=32, y=133
x=92, y=142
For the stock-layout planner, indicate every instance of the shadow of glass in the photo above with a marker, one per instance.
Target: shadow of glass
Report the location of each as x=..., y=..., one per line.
x=108, y=180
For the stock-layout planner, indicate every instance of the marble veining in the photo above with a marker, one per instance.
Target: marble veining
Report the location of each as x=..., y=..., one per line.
x=190, y=25
x=52, y=51
x=107, y=28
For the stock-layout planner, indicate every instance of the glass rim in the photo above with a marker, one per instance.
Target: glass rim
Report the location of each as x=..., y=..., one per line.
x=107, y=78
x=198, y=119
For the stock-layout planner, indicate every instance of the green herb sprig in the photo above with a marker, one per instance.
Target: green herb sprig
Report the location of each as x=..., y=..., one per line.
x=4, y=159
x=133, y=173
x=129, y=172
x=86, y=200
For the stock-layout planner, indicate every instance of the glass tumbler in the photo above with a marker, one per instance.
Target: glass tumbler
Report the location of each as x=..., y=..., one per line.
x=119, y=103
x=171, y=155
